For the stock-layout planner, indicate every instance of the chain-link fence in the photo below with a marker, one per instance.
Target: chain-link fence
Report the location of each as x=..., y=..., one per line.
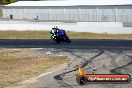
x=71, y=14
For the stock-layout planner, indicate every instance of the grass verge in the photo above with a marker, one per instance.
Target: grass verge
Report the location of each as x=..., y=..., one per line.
x=87, y=35
x=17, y=65
x=0, y=11
x=46, y=35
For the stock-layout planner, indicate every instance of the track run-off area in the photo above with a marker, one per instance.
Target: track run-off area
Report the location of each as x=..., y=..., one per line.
x=97, y=56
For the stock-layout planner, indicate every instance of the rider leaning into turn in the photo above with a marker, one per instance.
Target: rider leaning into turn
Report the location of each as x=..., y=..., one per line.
x=59, y=35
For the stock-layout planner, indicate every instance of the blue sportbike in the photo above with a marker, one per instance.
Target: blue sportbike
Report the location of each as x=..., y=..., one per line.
x=60, y=36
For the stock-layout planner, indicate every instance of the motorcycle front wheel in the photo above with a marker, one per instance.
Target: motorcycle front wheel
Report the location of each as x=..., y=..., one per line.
x=67, y=39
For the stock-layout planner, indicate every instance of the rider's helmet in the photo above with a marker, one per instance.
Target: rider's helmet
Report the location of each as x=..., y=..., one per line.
x=56, y=27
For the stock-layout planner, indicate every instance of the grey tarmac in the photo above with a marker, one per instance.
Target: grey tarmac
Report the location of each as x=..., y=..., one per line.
x=96, y=56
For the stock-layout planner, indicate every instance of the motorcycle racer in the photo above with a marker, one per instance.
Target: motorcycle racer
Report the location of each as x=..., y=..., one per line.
x=53, y=32
x=59, y=35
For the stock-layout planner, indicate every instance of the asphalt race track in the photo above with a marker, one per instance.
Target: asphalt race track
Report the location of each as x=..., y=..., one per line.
x=76, y=43
x=97, y=56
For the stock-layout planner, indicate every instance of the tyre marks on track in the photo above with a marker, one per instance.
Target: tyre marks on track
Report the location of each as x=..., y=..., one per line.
x=117, y=69
x=59, y=77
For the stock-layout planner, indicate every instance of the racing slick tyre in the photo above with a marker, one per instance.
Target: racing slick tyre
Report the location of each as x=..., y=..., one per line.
x=67, y=39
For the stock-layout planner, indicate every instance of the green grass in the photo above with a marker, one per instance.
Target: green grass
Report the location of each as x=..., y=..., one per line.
x=46, y=35
x=17, y=66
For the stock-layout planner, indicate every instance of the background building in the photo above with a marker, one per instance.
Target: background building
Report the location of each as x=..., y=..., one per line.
x=67, y=11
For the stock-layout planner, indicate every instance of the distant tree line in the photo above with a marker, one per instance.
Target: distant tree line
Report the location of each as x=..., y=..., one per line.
x=3, y=2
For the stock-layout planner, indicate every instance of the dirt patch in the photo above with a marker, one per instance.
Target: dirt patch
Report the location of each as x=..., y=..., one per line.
x=19, y=64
